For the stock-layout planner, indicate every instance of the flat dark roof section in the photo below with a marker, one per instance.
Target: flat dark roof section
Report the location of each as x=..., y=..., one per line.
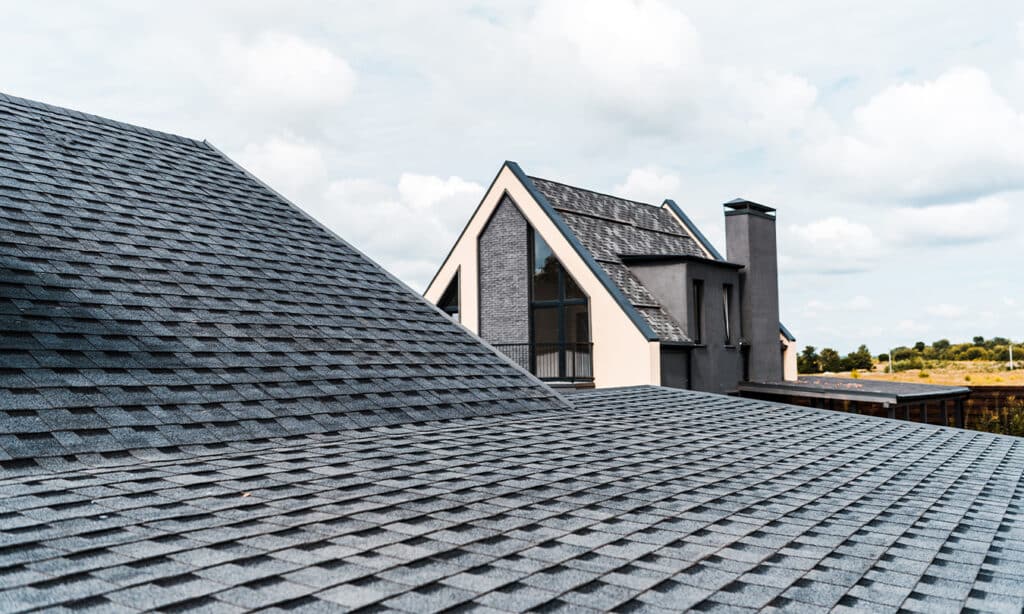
x=871, y=391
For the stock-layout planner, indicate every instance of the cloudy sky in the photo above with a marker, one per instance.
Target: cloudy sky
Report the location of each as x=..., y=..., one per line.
x=890, y=136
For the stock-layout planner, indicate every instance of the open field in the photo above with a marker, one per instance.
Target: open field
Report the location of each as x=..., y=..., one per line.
x=950, y=373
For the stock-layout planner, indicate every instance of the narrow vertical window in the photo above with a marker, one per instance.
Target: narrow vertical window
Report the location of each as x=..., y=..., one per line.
x=727, y=311
x=698, y=311
x=449, y=302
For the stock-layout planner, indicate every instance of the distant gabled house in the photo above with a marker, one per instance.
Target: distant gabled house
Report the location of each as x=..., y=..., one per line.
x=590, y=289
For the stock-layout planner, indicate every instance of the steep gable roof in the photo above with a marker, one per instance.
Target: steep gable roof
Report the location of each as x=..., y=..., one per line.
x=154, y=294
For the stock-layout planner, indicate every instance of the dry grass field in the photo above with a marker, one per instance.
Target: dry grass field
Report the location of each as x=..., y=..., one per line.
x=950, y=373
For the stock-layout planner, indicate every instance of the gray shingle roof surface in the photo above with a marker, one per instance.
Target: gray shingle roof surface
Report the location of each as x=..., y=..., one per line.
x=609, y=228
x=153, y=294
x=643, y=499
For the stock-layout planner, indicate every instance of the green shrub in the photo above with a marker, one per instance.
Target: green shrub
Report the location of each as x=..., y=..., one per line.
x=855, y=374
x=974, y=353
x=906, y=365
x=924, y=374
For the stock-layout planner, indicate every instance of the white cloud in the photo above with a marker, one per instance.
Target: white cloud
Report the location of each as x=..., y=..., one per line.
x=981, y=220
x=861, y=303
x=277, y=71
x=912, y=326
x=424, y=192
x=940, y=140
x=765, y=104
x=831, y=245
x=292, y=166
x=816, y=307
x=407, y=228
x=634, y=54
x=649, y=185
x=641, y=62
x=945, y=310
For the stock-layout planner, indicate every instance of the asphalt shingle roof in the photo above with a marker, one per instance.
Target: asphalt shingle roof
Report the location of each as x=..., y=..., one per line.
x=637, y=499
x=212, y=404
x=610, y=228
x=153, y=294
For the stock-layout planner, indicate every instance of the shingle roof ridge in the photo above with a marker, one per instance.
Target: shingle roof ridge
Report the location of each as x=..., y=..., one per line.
x=99, y=119
x=605, y=194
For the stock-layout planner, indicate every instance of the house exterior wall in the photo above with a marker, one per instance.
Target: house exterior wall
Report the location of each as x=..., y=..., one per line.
x=715, y=366
x=623, y=356
x=504, y=276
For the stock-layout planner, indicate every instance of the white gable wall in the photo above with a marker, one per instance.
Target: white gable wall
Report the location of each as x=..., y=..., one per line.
x=622, y=355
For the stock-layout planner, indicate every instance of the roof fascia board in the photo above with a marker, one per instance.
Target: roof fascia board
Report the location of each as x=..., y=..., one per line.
x=584, y=253
x=692, y=229
x=679, y=258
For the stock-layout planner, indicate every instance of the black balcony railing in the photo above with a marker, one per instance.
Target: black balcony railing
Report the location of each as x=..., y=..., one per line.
x=571, y=362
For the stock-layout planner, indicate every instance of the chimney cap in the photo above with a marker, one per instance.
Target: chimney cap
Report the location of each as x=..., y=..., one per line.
x=742, y=204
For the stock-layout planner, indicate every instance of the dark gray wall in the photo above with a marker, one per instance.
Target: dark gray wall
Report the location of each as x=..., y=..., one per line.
x=715, y=366
x=504, y=276
x=750, y=241
x=674, y=373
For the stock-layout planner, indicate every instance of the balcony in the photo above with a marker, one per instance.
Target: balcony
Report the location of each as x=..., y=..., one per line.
x=553, y=362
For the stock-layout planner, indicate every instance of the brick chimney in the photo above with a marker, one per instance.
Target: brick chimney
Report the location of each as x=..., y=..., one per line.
x=750, y=241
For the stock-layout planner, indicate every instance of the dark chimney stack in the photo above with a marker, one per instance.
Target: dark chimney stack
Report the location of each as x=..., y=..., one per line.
x=750, y=241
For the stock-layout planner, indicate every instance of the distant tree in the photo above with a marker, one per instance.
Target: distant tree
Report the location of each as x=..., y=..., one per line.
x=830, y=360
x=941, y=345
x=974, y=353
x=919, y=346
x=904, y=353
x=979, y=341
x=808, y=361
x=861, y=359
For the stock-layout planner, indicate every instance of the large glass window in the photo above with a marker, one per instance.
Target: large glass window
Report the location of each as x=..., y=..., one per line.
x=560, y=319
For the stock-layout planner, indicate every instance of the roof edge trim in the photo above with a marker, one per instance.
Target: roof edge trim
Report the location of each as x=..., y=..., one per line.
x=692, y=228
x=785, y=332
x=588, y=258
